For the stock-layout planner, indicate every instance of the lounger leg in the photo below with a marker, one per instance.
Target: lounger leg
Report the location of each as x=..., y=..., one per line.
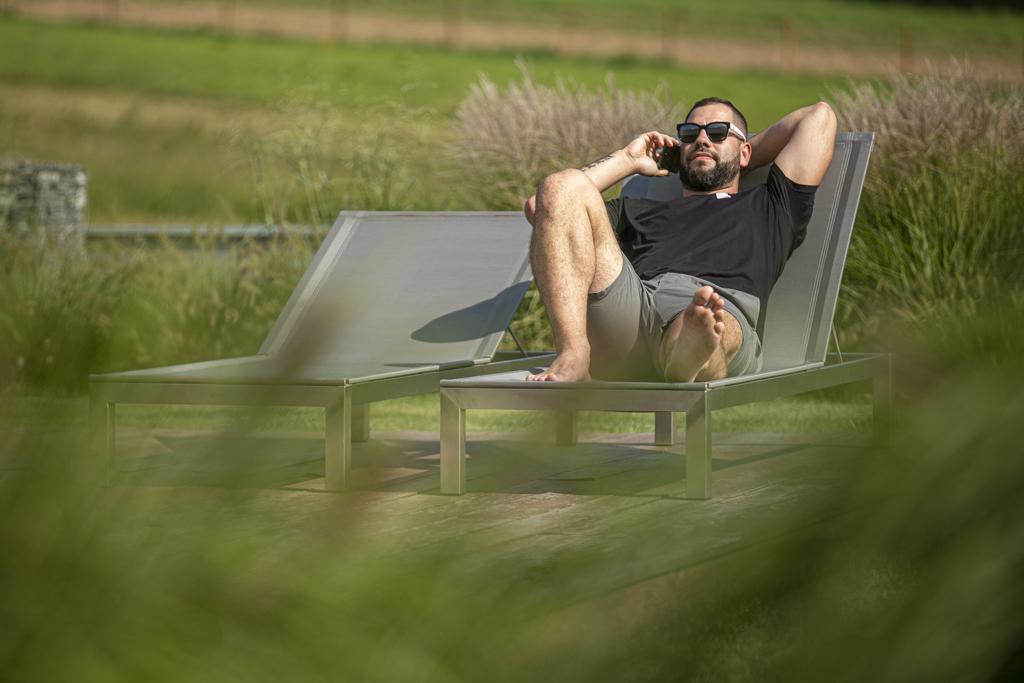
x=103, y=427
x=338, y=444
x=361, y=422
x=698, y=450
x=453, y=447
x=565, y=427
x=882, y=404
x=664, y=429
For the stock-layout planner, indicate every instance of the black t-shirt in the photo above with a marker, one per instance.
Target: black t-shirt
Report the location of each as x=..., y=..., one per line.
x=740, y=241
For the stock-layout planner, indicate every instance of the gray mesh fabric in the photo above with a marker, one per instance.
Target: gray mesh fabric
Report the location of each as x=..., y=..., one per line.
x=405, y=290
x=388, y=294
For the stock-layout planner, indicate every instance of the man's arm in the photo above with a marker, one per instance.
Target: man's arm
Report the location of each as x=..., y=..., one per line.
x=800, y=144
x=639, y=156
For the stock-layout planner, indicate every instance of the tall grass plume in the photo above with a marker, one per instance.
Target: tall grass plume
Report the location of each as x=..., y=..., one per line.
x=940, y=233
x=507, y=140
x=120, y=306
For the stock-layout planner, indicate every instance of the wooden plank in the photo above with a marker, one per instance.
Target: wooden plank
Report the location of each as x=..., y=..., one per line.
x=643, y=541
x=484, y=520
x=616, y=506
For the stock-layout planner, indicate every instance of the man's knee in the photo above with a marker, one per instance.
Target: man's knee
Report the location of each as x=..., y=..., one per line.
x=566, y=187
x=569, y=206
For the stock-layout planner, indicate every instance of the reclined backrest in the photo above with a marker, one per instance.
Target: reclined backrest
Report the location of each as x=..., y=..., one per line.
x=795, y=323
x=403, y=290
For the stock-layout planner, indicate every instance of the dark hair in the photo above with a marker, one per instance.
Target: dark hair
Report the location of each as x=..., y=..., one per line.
x=742, y=120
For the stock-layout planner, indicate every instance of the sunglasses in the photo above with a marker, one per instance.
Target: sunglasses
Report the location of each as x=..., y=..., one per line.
x=717, y=131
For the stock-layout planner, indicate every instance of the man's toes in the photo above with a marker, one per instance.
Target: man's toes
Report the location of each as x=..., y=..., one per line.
x=719, y=328
x=720, y=315
x=703, y=295
x=543, y=375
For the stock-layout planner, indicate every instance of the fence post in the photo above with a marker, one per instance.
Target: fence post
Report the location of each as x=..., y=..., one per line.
x=227, y=15
x=668, y=34
x=570, y=28
x=339, y=19
x=43, y=201
x=452, y=22
x=787, y=44
x=906, y=49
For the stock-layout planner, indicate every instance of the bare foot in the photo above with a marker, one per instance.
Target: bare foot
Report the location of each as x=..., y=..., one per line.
x=699, y=333
x=568, y=366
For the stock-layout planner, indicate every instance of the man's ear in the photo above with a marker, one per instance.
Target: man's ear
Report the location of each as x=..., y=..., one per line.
x=745, y=152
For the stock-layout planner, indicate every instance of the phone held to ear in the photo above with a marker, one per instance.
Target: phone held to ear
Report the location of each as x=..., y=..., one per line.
x=669, y=159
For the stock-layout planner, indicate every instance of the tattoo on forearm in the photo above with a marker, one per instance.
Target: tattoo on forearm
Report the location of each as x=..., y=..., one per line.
x=595, y=164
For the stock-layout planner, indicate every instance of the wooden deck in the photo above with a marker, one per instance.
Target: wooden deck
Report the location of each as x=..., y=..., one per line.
x=614, y=499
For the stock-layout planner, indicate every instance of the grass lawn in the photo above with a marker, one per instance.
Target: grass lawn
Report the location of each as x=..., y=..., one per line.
x=823, y=412
x=160, y=119
x=810, y=561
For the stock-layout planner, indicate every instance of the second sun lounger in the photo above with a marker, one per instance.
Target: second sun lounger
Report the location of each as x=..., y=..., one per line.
x=391, y=303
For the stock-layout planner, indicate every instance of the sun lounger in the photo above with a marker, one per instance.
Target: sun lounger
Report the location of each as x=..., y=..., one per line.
x=795, y=331
x=391, y=303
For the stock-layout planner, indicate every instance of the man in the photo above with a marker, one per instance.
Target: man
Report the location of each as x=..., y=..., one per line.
x=641, y=289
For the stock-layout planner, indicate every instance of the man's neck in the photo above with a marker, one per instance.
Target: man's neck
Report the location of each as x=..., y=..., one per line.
x=731, y=188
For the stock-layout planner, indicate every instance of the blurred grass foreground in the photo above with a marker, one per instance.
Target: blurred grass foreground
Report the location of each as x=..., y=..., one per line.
x=906, y=568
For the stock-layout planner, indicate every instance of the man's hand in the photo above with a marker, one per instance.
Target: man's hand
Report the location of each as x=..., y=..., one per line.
x=639, y=156
x=645, y=152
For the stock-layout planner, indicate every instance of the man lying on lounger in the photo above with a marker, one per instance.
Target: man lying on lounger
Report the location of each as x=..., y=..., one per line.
x=639, y=289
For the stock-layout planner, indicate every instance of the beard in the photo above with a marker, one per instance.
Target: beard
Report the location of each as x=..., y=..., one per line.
x=705, y=179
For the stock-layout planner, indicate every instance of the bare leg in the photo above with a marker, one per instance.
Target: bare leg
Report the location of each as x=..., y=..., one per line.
x=701, y=340
x=573, y=252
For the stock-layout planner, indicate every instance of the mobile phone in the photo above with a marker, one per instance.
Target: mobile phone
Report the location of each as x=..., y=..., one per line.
x=669, y=159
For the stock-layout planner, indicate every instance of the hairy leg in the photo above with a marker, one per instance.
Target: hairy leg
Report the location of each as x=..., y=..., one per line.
x=573, y=252
x=701, y=341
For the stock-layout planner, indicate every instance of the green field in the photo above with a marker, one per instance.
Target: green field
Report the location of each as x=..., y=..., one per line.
x=852, y=24
x=159, y=118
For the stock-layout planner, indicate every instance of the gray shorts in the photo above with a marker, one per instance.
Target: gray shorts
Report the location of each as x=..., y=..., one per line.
x=626, y=321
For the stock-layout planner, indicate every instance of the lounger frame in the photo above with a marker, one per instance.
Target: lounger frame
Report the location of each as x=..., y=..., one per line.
x=696, y=400
x=346, y=405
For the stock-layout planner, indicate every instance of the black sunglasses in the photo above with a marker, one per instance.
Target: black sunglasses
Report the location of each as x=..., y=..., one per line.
x=717, y=131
